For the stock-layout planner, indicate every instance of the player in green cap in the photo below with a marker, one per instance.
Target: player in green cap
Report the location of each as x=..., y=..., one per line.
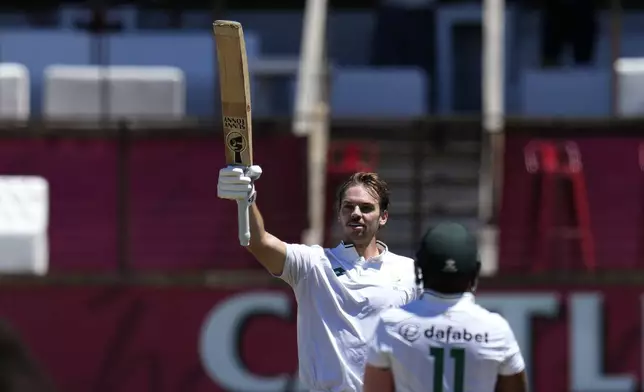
x=444, y=341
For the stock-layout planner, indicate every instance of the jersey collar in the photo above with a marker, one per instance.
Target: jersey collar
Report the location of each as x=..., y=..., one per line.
x=347, y=252
x=438, y=298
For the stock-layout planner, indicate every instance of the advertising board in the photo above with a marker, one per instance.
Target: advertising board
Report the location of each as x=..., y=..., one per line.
x=137, y=339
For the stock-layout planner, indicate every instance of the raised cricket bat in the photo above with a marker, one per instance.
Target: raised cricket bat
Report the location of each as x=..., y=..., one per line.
x=235, y=102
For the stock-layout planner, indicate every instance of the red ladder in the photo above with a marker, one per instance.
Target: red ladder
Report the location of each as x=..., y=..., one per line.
x=543, y=158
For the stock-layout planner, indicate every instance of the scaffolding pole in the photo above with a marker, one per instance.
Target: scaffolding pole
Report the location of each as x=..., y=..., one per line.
x=311, y=113
x=493, y=105
x=615, y=52
x=493, y=88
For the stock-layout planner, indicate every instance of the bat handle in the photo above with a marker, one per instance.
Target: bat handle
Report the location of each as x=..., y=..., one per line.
x=243, y=222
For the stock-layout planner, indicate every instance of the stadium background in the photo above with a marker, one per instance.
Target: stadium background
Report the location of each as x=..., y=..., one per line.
x=146, y=288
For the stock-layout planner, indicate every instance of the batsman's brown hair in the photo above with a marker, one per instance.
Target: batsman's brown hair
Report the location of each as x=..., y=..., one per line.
x=376, y=187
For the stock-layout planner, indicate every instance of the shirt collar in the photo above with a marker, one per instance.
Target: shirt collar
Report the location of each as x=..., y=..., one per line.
x=447, y=299
x=347, y=252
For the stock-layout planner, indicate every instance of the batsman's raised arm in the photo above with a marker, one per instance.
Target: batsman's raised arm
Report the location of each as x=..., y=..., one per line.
x=269, y=250
x=238, y=183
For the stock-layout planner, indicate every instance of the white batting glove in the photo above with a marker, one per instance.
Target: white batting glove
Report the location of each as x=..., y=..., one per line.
x=238, y=183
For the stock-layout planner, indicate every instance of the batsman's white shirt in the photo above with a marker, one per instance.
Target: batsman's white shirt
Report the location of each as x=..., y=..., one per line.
x=445, y=344
x=339, y=296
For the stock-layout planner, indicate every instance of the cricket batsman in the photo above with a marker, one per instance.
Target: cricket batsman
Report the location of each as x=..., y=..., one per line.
x=444, y=341
x=339, y=291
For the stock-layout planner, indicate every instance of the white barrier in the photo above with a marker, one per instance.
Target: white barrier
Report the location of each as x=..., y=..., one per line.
x=114, y=92
x=14, y=92
x=24, y=222
x=630, y=76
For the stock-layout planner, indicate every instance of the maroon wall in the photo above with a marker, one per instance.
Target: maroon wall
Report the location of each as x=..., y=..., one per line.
x=176, y=221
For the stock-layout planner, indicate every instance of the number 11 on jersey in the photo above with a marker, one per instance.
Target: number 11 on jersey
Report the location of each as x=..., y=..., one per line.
x=458, y=355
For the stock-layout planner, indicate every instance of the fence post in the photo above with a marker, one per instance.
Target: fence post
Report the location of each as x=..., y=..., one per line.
x=123, y=192
x=615, y=49
x=418, y=140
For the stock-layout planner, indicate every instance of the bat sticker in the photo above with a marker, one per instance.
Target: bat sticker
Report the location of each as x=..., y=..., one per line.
x=235, y=123
x=236, y=142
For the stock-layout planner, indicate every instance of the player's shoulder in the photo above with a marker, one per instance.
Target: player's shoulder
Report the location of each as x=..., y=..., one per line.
x=313, y=253
x=302, y=248
x=400, y=266
x=396, y=261
x=397, y=315
x=389, y=255
x=498, y=331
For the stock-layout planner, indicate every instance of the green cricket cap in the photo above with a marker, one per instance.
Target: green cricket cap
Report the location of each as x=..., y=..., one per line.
x=448, y=248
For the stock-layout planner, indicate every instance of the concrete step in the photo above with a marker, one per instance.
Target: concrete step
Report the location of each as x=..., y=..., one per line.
x=438, y=210
x=428, y=152
x=441, y=198
x=396, y=169
x=396, y=147
x=445, y=171
x=462, y=147
x=430, y=161
x=451, y=166
x=399, y=228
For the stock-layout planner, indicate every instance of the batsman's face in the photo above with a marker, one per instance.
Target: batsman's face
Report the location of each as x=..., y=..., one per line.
x=360, y=215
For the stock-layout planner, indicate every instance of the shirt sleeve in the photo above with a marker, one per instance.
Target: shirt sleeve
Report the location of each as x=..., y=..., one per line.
x=513, y=362
x=378, y=354
x=299, y=261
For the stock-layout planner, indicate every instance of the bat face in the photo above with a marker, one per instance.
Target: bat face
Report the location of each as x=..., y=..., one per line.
x=235, y=107
x=235, y=92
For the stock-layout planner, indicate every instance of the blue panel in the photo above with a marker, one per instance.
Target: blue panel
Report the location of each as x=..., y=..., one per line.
x=194, y=53
x=38, y=49
x=574, y=92
x=379, y=92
